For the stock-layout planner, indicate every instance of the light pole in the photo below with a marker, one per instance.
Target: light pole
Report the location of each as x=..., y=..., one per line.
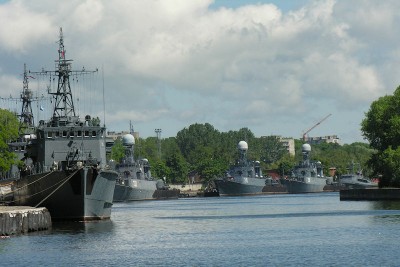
x=158, y=134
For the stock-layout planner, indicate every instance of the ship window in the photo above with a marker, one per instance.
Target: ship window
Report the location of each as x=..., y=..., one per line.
x=57, y=134
x=64, y=134
x=94, y=133
x=72, y=134
x=49, y=134
x=79, y=133
x=86, y=133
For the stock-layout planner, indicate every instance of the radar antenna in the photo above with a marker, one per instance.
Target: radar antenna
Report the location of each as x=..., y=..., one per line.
x=63, y=101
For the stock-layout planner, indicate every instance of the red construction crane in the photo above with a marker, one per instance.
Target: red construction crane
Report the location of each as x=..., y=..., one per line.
x=309, y=130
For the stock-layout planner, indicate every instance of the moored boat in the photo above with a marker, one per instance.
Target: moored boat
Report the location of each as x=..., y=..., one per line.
x=307, y=176
x=243, y=178
x=355, y=178
x=64, y=164
x=135, y=181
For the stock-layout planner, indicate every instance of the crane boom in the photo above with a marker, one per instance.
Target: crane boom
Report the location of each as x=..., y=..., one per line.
x=315, y=125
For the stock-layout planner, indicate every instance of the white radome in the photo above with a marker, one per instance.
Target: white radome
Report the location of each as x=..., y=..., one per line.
x=306, y=148
x=243, y=146
x=128, y=140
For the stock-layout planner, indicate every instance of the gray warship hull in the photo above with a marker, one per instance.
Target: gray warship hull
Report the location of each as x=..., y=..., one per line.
x=357, y=182
x=78, y=195
x=121, y=192
x=355, y=178
x=243, y=178
x=142, y=190
x=237, y=187
x=308, y=176
x=308, y=185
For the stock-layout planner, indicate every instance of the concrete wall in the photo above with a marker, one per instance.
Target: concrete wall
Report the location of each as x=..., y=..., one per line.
x=187, y=187
x=20, y=220
x=370, y=194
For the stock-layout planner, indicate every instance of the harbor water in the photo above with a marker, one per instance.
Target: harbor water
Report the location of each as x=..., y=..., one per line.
x=265, y=230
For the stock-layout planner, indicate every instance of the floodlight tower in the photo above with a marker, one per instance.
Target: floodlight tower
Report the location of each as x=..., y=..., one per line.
x=158, y=134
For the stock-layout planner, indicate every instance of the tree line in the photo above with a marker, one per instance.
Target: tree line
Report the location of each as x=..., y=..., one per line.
x=202, y=149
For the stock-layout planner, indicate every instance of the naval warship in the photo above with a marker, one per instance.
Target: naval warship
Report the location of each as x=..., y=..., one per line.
x=243, y=178
x=135, y=181
x=307, y=176
x=355, y=178
x=64, y=163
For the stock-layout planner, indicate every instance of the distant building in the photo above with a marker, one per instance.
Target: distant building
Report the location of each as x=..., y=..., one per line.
x=287, y=142
x=112, y=136
x=118, y=135
x=323, y=139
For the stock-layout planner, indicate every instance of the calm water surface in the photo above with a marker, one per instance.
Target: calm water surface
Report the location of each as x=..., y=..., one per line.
x=267, y=230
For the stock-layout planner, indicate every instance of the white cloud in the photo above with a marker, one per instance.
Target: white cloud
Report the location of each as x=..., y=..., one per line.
x=9, y=85
x=87, y=14
x=21, y=27
x=181, y=62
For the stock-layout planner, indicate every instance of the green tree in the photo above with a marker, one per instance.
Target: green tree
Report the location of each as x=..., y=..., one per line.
x=178, y=168
x=146, y=148
x=285, y=165
x=205, y=150
x=196, y=135
x=117, y=150
x=8, y=132
x=273, y=149
x=389, y=162
x=161, y=170
x=381, y=127
x=209, y=164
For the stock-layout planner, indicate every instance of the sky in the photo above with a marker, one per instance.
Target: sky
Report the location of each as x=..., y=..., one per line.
x=275, y=67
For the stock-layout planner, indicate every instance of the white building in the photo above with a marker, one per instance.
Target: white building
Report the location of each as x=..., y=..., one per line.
x=324, y=139
x=288, y=143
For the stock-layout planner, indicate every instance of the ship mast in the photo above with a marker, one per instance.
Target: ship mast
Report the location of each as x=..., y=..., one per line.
x=63, y=101
x=26, y=118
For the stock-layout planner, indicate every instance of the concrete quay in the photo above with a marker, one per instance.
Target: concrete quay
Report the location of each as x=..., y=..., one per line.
x=16, y=220
x=370, y=194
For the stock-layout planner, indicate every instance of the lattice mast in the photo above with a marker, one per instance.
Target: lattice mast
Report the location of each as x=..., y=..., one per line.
x=63, y=100
x=26, y=117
